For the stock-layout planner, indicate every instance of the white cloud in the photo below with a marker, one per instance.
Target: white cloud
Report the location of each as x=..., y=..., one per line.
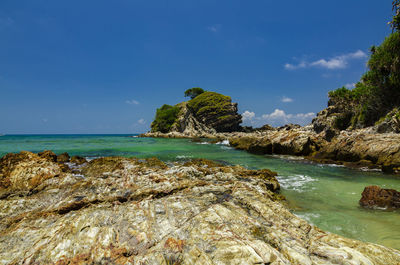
x=141, y=121
x=132, y=102
x=337, y=62
x=350, y=85
x=289, y=66
x=214, y=28
x=276, y=118
x=286, y=99
x=248, y=115
x=45, y=120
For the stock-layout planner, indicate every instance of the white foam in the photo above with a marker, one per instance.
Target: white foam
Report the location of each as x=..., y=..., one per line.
x=224, y=142
x=203, y=143
x=308, y=216
x=296, y=182
x=183, y=157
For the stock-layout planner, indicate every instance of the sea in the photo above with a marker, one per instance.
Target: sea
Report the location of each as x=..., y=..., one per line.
x=325, y=195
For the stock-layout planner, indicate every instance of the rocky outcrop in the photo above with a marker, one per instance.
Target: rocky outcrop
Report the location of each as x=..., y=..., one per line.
x=216, y=111
x=357, y=149
x=143, y=211
x=374, y=196
x=188, y=124
x=24, y=173
x=208, y=112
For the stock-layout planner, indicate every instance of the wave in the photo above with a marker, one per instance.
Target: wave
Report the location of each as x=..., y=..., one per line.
x=224, y=142
x=296, y=183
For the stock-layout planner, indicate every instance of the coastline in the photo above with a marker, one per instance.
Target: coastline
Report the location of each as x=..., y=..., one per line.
x=359, y=149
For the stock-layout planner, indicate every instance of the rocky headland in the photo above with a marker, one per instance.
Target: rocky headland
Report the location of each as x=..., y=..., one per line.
x=374, y=147
x=116, y=210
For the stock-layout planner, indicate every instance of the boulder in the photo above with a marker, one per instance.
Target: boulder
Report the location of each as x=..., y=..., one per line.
x=374, y=196
x=78, y=160
x=49, y=155
x=63, y=158
x=24, y=172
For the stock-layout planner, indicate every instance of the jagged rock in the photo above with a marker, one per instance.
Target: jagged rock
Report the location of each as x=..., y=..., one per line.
x=49, y=155
x=216, y=111
x=374, y=196
x=78, y=160
x=186, y=122
x=24, y=172
x=141, y=211
x=63, y=158
x=381, y=149
x=390, y=123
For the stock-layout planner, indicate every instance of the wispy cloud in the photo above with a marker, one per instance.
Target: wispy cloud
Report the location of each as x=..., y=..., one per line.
x=337, y=62
x=286, y=99
x=214, y=28
x=45, y=120
x=141, y=121
x=132, y=102
x=276, y=118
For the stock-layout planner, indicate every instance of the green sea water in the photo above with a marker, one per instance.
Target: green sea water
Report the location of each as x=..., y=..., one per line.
x=325, y=195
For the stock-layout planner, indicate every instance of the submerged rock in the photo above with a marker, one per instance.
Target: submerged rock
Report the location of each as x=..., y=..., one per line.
x=374, y=196
x=142, y=211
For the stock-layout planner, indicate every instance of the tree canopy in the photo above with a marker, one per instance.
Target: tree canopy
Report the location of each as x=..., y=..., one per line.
x=194, y=92
x=378, y=91
x=395, y=23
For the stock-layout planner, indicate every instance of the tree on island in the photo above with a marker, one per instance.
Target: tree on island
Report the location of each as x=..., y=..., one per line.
x=194, y=92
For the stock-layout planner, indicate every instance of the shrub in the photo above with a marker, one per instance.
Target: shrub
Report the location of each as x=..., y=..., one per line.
x=210, y=102
x=378, y=92
x=165, y=118
x=194, y=92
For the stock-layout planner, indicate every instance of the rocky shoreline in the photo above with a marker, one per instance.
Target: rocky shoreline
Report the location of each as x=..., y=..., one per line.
x=362, y=148
x=116, y=210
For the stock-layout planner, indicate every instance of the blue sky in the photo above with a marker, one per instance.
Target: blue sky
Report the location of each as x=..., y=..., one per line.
x=105, y=66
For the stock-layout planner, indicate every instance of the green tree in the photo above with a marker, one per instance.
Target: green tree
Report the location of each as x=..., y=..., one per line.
x=194, y=92
x=395, y=23
x=165, y=118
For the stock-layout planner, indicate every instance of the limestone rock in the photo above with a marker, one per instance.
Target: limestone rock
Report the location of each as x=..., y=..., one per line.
x=374, y=196
x=142, y=211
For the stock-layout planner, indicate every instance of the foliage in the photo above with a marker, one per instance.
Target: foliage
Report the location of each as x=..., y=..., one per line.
x=210, y=103
x=395, y=23
x=194, y=92
x=378, y=92
x=165, y=118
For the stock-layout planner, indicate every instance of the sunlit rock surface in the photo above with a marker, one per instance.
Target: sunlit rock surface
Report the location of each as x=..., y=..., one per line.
x=130, y=211
x=357, y=148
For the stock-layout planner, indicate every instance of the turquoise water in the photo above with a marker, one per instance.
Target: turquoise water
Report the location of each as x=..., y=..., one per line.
x=326, y=196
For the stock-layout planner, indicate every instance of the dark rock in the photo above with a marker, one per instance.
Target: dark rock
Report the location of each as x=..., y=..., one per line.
x=374, y=196
x=49, y=155
x=62, y=158
x=78, y=160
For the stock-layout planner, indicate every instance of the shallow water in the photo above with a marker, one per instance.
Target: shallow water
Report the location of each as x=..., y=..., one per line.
x=327, y=196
